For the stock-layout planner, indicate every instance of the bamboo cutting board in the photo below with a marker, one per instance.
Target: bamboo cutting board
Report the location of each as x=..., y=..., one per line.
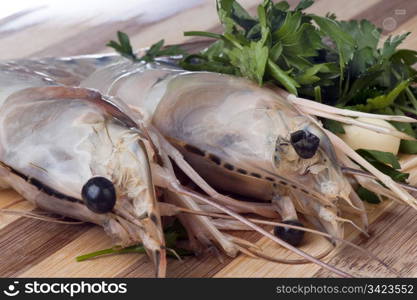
x=33, y=248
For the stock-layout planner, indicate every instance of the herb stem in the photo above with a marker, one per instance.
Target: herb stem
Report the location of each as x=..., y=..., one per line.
x=233, y=40
x=203, y=33
x=282, y=77
x=133, y=249
x=409, y=93
x=96, y=253
x=317, y=94
x=411, y=96
x=407, y=109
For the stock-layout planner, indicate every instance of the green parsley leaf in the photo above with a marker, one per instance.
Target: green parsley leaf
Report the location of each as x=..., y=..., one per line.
x=334, y=126
x=380, y=156
x=282, y=77
x=391, y=45
x=345, y=43
x=406, y=146
x=251, y=60
x=304, y=4
x=310, y=75
x=366, y=36
x=157, y=50
x=367, y=196
x=385, y=162
x=385, y=100
x=124, y=48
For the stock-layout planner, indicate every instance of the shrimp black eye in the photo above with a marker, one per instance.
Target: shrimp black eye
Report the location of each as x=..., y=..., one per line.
x=305, y=143
x=99, y=195
x=290, y=235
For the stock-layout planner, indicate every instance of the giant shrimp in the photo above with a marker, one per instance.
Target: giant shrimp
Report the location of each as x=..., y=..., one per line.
x=231, y=131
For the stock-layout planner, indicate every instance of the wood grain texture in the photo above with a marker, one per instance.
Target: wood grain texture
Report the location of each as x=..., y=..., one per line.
x=25, y=242
x=393, y=239
x=32, y=248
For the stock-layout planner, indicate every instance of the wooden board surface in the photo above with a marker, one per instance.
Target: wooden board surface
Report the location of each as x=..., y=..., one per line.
x=32, y=248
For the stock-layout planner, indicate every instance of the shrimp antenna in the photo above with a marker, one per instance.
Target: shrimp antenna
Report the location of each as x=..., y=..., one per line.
x=185, y=191
x=37, y=216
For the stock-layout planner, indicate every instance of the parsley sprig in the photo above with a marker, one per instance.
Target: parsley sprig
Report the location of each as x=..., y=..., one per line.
x=320, y=58
x=279, y=45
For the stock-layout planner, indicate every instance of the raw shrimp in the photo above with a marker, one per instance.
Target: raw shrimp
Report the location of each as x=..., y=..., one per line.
x=62, y=150
x=241, y=138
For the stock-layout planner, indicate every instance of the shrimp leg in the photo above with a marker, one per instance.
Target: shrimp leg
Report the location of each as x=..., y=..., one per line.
x=265, y=210
x=164, y=179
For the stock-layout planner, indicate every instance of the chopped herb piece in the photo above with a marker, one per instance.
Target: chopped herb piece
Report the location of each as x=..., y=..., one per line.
x=172, y=234
x=367, y=196
x=386, y=162
x=124, y=48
